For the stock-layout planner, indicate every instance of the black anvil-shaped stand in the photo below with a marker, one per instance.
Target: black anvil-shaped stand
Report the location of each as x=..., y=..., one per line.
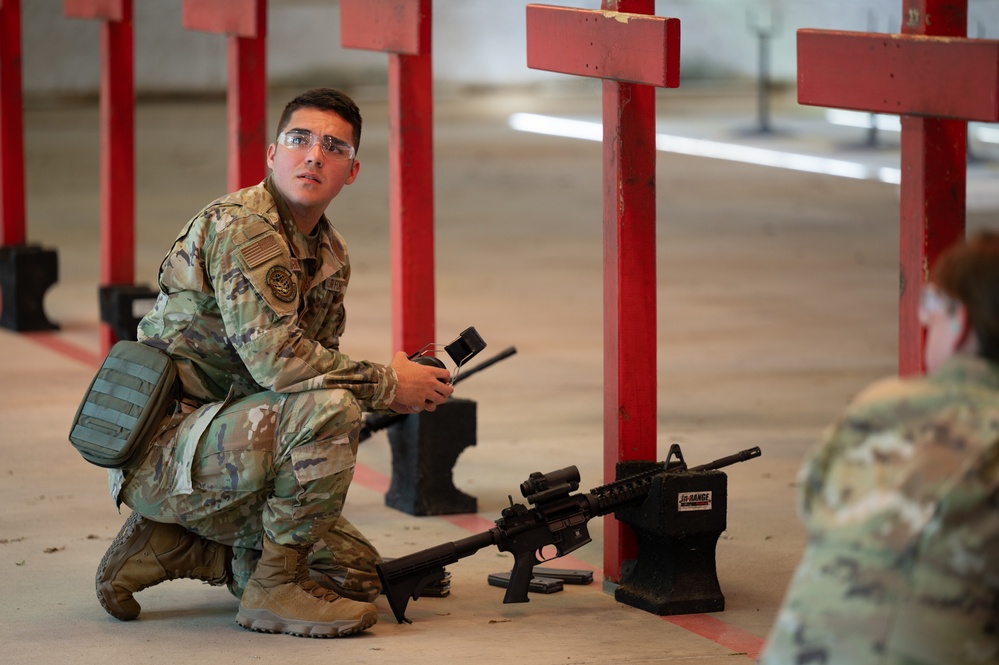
x=425, y=447
x=677, y=529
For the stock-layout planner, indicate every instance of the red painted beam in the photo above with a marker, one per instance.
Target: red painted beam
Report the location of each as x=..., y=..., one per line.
x=630, y=351
x=607, y=44
x=245, y=21
x=12, y=191
x=118, y=150
x=109, y=10
x=246, y=105
x=589, y=43
x=936, y=80
x=411, y=199
x=942, y=77
x=934, y=181
x=411, y=189
x=932, y=217
x=389, y=26
x=117, y=129
x=241, y=18
x=629, y=222
x=403, y=29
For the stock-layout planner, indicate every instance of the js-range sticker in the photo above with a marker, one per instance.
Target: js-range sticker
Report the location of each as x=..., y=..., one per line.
x=694, y=501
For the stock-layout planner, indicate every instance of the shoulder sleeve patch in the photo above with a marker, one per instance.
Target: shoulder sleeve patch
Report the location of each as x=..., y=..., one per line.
x=260, y=251
x=282, y=284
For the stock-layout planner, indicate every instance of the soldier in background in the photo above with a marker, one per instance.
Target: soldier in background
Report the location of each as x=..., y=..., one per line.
x=901, y=500
x=245, y=481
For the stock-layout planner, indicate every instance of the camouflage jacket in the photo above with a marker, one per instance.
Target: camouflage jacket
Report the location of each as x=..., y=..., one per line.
x=246, y=304
x=901, y=503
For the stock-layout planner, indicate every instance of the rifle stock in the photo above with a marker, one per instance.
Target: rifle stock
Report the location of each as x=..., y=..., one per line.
x=409, y=575
x=557, y=519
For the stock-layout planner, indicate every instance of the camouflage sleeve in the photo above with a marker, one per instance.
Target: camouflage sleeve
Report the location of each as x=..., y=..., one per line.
x=839, y=462
x=258, y=296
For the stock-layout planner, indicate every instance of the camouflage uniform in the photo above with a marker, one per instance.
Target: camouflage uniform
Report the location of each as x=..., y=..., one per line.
x=265, y=437
x=901, y=503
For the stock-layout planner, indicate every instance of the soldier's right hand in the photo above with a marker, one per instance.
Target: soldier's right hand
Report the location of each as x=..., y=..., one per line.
x=421, y=387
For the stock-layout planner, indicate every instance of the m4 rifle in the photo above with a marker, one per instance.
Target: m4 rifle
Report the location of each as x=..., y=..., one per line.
x=556, y=519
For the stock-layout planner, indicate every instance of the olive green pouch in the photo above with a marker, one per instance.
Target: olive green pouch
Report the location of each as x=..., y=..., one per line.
x=124, y=405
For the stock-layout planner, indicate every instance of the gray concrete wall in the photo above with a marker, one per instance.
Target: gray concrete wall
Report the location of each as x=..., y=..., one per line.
x=476, y=42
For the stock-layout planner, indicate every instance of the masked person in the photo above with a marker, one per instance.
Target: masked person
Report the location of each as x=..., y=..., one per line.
x=901, y=500
x=245, y=480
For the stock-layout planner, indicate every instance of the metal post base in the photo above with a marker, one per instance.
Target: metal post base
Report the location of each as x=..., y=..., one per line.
x=425, y=448
x=26, y=273
x=677, y=529
x=123, y=306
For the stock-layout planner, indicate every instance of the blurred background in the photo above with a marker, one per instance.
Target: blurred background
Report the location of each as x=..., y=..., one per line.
x=476, y=43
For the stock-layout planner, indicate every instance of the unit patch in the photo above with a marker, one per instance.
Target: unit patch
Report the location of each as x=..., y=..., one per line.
x=282, y=283
x=693, y=501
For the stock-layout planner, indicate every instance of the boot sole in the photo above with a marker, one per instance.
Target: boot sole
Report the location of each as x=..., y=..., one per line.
x=265, y=621
x=105, y=593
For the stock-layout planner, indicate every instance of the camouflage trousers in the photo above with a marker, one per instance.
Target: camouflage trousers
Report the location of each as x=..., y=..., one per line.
x=271, y=464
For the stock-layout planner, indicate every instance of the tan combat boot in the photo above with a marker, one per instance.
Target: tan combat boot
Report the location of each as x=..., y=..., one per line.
x=146, y=553
x=280, y=597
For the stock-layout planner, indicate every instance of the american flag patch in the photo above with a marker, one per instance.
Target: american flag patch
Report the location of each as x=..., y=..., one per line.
x=260, y=250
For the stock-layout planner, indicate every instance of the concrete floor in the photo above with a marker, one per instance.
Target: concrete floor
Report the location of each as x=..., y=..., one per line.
x=776, y=303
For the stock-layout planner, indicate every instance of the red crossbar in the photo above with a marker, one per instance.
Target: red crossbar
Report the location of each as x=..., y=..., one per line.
x=390, y=26
x=241, y=18
x=936, y=80
x=245, y=22
x=403, y=28
x=12, y=192
x=591, y=43
x=911, y=74
x=109, y=10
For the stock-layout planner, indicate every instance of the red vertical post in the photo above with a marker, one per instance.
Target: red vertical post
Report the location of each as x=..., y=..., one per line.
x=587, y=43
x=245, y=23
x=629, y=222
x=403, y=29
x=411, y=192
x=936, y=80
x=12, y=192
x=934, y=183
x=117, y=126
x=247, y=104
x=26, y=271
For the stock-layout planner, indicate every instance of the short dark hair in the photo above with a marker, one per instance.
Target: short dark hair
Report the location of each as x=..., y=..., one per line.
x=969, y=272
x=325, y=99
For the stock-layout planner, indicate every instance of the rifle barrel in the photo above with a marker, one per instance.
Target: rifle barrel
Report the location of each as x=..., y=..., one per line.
x=741, y=456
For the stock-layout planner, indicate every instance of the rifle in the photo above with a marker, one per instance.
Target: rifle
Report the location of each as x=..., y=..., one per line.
x=373, y=423
x=557, y=519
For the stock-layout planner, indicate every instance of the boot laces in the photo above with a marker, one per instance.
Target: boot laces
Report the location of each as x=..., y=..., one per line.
x=320, y=592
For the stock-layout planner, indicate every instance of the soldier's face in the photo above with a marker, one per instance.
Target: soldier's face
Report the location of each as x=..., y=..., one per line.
x=308, y=177
x=945, y=322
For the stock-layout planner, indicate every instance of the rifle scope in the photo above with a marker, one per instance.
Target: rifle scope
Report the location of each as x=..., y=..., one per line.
x=540, y=486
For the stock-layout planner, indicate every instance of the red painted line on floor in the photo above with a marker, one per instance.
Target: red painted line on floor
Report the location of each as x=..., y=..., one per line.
x=371, y=479
x=53, y=342
x=703, y=625
x=719, y=632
